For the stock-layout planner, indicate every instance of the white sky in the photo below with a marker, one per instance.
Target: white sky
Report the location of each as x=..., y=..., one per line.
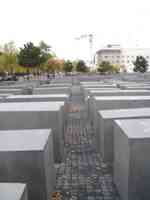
x=58, y=22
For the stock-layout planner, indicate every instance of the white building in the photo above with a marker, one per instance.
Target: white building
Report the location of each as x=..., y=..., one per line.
x=124, y=57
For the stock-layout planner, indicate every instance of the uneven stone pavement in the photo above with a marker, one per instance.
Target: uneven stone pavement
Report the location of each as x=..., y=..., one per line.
x=83, y=175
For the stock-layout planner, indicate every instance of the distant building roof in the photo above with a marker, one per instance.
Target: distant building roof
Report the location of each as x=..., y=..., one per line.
x=110, y=47
x=118, y=48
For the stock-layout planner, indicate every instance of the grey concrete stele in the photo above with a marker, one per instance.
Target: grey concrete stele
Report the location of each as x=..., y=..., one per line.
x=12, y=91
x=37, y=98
x=137, y=88
x=36, y=115
x=116, y=102
x=98, y=86
x=116, y=92
x=52, y=90
x=26, y=156
x=119, y=93
x=13, y=191
x=86, y=91
x=55, y=85
x=105, y=136
x=132, y=158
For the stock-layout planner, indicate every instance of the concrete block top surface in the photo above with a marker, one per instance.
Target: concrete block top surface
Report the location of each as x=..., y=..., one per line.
x=10, y=89
x=110, y=114
x=120, y=98
x=95, y=82
x=12, y=86
x=135, y=128
x=37, y=96
x=24, y=140
x=5, y=94
x=31, y=106
x=120, y=91
x=91, y=82
x=99, y=86
x=137, y=84
x=101, y=89
x=56, y=85
x=11, y=191
x=137, y=87
x=51, y=88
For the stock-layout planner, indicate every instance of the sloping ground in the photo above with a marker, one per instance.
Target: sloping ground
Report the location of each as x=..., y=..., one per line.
x=83, y=175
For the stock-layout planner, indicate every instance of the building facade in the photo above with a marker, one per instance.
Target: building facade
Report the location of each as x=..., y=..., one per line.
x=124, y=57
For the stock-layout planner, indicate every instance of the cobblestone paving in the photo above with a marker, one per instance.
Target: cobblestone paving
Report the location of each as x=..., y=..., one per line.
x=83, y=175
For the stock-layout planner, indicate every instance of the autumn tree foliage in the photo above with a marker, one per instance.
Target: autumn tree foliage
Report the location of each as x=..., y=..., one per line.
x=54, y=65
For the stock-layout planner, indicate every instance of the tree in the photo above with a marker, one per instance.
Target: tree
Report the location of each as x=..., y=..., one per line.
x=106, y=67
x=140, y=65
x=116, y=68
x=45, y=51
x=30, y=56
x=54, y=65
x=45, y=47
x=8, y=57
x=81, y=66
x=68, y=66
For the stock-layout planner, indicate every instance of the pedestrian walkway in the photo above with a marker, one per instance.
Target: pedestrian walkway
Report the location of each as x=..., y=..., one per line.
x=83, y=175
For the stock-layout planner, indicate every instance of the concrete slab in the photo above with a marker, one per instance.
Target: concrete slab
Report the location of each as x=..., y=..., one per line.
x=119, y=93
x=116, y=92
x=131, y=158
x=26, y=156
x=37, y=98
x=16, y=89
x=54, y=90
x=62, y=80
x=91, y=82
x=36, y=115
x=114, y=102
x=12, y=86
x=12, y=91
x=136, y=88
x=55, y=85
x=98, y=86
x=86, y=91
x=105, y=133
x=5, y=95
x=13, y=191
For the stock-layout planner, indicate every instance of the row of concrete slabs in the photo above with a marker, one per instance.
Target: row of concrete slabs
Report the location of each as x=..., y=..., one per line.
x=32, y=89
x=115, y=102
x=31, y=140
x=122, y=136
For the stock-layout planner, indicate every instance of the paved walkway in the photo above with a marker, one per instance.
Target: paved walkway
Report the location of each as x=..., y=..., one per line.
x=83, y=175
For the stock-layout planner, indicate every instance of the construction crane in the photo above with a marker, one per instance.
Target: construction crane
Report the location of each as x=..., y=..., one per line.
x=90, y=37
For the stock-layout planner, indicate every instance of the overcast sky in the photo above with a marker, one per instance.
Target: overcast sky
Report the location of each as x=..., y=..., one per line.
x=58, y=22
